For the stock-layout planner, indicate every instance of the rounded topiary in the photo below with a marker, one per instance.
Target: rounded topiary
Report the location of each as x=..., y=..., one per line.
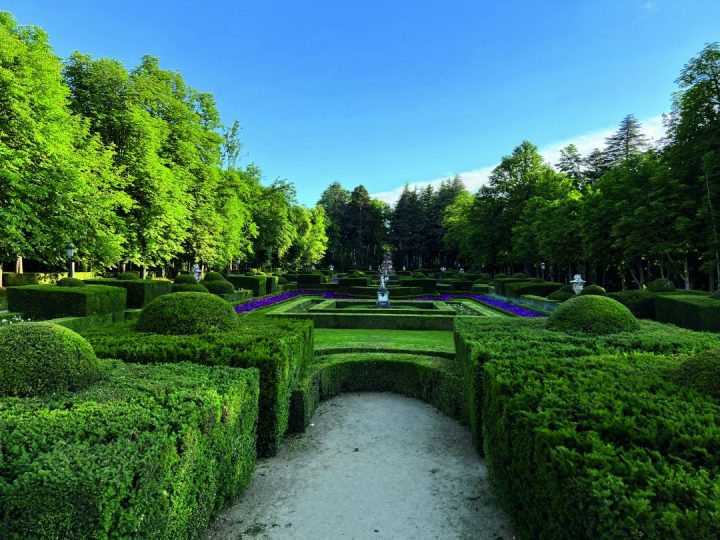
x=485, y=276
x=127, y=276
x=214, y=276
x=186, y=279
x=568, y=289
x=560, y=295
x=593, y=290
x=701, y=372
x=189, y=287
x=519, y=275
x=661, y=285
x=42, y=358
x=219, y=287
x=70, y=282
x=501, y=275
x=419, y=275
x=592, y=315
x=187, y=313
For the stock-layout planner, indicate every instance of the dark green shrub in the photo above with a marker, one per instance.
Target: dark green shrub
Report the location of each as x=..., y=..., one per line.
x=187, y=313
x=461, y=285
x=42, y=358
x=501, y=283
x=310, y=279
x=271, y=284
x=482, y=288
x=640, y=303
x=592, y=315
x=567, y=288
x=185, y=279
x=282, y=280
x=189, y=287
x=419, y=275
x=716, y=294
x=661, y=285
x=213, y=276
x=354, y=282
x=701, y=372
x=519, y=275
x=501, y=275
x=537, y=289
x=601, y=448
x=428, y=285
x=139, y=291
x=254, y=283
x=560, y=296
x=147, y=452
x=128, y=275
x=688, y=311
x=219, y=287
x=593, y=290
x=70, y=282
x=39, y=302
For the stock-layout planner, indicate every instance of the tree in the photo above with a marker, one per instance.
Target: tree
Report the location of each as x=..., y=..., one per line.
x=626, y=142
x=571, y=164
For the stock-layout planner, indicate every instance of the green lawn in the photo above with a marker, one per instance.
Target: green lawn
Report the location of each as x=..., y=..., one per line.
x=420, y=340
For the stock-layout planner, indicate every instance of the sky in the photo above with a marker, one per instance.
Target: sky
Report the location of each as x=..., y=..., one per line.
x=383, y=93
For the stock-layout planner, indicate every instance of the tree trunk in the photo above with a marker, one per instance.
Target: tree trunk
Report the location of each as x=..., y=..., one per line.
x=143, y=272
x=1, y=275
x=686, y=275
x=19, y=265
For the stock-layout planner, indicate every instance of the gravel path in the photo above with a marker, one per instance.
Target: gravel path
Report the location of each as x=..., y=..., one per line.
x=374, y=465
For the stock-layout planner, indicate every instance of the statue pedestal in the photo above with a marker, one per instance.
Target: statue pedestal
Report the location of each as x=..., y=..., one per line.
x=383, y=298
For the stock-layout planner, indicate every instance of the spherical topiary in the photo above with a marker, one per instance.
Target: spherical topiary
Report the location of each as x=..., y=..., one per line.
x=189, y=287
x=419, y=275
x=593, y=290
x=701, y=372
x=214, y=276
x=127, y=276
x=568, y=289
x=519, y=275
x=187, y=313
x=42, y=358
x=661, y=285
x=70, y=282
x=186, y=279
x=501, y=275
x=219, y=287
x=597, y=315
x=560, y=295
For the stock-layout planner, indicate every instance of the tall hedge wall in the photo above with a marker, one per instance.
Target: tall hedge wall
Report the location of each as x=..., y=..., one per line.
x=535, y=289
x=39, y=302
x=688, y=311
x=139, y=291
x=149, y=452
x=257, y=284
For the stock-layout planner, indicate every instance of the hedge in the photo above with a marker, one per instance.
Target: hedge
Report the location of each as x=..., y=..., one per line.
x=536, y=289
x=386, y=320
x=640, y=303
x=461, y=285
x=482, y=288
x=11, y=279
x=148, y=452
x=479, y=340
x=139, y=291
x=602, y=448
x=188, y=313
x=433, y=380
x=257, y=284
x=500, y=283
x=218, y=287
x=279, y=351
x=428, y=286
x=590, y=314
x=271, y=284
x=39, y=302
x=687, y=311
x=395, y=291
x=309, y=279
x=347, y=282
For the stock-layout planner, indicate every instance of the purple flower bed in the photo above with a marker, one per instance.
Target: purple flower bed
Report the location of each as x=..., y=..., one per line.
x=266, y=301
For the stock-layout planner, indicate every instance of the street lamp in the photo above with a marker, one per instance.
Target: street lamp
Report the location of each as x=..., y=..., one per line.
x=542, y=269
x=69, y=254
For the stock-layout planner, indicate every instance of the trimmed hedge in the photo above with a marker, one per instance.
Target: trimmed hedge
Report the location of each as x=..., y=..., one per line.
x=140, y=292
x=219, y=286
x=280, y=350
x=701, y=372
x=347, y=282
x=602, y=448
x=39, y=302
x=43, y=358
x=687, y=311
x=309, y=279
x=189, y=287
x=213, y=276
x=482, y=288
x=387, y=320
x=185, y=279
x=395, y=291
x=433, y=380
x=593, y=290
x=126, y=276
x=188, y=313
x=536, y=289
x=501, y=283
x=461, y=285
x=428, y=285
x=257, y=283
x=149, y=452
x=592, y=315
x=70, y=282
x=640, y=303
x=661, y=285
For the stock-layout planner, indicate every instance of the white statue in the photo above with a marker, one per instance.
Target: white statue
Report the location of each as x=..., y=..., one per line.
x=577, y=283
x=196, y=271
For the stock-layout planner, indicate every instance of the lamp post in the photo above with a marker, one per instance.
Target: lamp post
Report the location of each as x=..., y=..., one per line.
x=542, y=269
x=69, y=254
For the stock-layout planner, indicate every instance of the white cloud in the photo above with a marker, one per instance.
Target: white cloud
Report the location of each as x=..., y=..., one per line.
x=652, y=127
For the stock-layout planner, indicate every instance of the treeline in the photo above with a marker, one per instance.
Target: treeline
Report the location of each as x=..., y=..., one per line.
x=132, y=166
x=623, y=215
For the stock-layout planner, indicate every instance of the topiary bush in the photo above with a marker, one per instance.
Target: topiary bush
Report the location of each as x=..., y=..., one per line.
x=419, y=275
x=519, y=275
x=593, y=290
x=661, y=285
x=70, y=282
x=187, y=313
x=185, y=279
x=43, y=358
x=189, y=287
x=501, y=275
x=219, y=286
x=560, y=296
x=128, y=275
x=597, y=315
x=214, y=276
x=701, y=372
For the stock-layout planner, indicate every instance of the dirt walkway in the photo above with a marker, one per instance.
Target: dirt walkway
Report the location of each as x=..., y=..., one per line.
x=374, y=465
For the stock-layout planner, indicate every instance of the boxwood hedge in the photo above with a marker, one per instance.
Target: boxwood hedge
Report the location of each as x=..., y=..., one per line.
x=139, y=291
x=256, y=283
x=687, y=311
x=40, y=302
x=148, y=452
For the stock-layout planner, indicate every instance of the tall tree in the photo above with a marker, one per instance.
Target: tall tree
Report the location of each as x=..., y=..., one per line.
x=626, y=142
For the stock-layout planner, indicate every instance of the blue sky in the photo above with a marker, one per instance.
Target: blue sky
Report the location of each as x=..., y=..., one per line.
x=387, y=92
